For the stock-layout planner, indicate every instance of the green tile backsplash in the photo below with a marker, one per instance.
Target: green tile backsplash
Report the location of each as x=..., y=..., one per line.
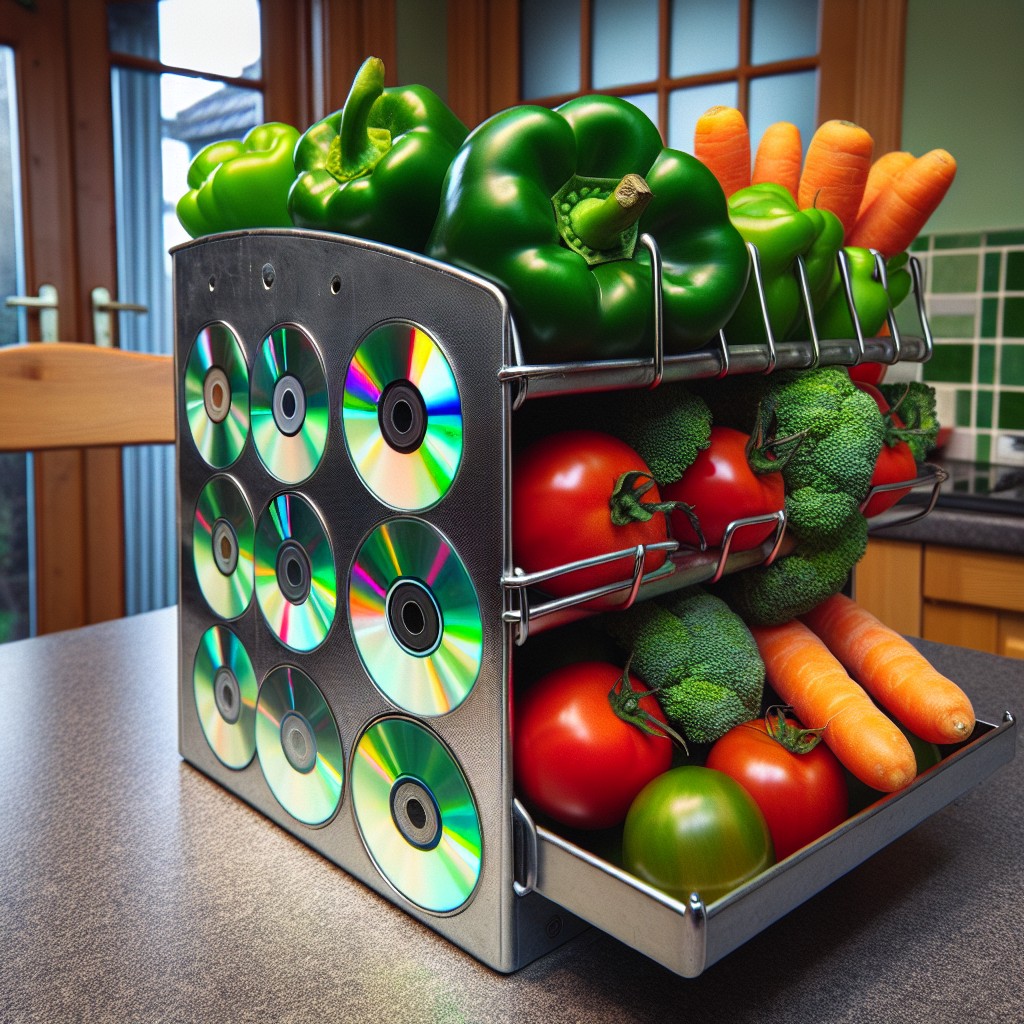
x=974, y=294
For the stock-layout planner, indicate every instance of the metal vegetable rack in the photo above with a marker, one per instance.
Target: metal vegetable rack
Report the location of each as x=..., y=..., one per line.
x=347, y=630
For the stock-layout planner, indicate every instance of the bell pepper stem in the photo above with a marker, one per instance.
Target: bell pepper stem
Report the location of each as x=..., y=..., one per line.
x=599, y=223
x=359, y=145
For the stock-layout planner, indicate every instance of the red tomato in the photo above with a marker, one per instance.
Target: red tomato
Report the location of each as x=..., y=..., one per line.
x=561, y=486
x=721, y=486
x=802, y=796
x=868, y=373
x=895, y=462
x=574, y=759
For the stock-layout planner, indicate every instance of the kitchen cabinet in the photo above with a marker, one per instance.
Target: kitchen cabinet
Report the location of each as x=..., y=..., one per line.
x=964, y=597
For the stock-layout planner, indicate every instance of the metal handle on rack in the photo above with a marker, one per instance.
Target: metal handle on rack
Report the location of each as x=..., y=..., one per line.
x=933, y=476
x=524, y=850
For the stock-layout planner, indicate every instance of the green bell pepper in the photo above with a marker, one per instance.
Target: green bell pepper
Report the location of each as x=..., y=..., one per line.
x=550, y=204
x=240, y=184
x=872, y=301
x=375, y=167
x=767, y=215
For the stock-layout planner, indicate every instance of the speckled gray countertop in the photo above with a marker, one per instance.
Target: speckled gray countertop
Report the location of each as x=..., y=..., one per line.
x=132, y=888
x=963, y=528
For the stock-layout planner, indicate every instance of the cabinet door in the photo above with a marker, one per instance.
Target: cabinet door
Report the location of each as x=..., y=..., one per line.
x=887, y=582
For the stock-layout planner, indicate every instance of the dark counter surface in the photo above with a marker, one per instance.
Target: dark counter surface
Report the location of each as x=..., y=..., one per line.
x=133, y=888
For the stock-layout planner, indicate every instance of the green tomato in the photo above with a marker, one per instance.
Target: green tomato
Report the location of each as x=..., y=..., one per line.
x=695, y=830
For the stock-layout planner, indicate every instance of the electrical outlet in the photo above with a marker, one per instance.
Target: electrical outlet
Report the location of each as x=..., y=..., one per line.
x=1009, y=450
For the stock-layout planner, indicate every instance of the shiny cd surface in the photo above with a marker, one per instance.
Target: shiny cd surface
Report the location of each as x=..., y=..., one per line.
x=222, y=547
x=415, y=618
x=299, y=745
x=290, y=412
x=217, y=395
x=416, y=814
x=402, y=417
x=296, y=585
x=225, y=688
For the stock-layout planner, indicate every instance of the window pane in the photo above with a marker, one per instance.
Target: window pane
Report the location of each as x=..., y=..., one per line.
x=550, y=42
x=625, y=42
x=159, y=125
x=17, y=533
x=705, y=36
x=783, y=98
x=783, y=29
x=686, y=105
x=221, y=38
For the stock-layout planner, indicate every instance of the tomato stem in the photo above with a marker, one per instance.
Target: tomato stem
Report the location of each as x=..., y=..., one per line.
x=625, y=702
x=627, y=506
x=765, y=452
x=787, y=731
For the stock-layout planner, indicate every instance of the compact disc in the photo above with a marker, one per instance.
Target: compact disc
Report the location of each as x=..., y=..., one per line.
x=414, y=617
x=217, y=395
x=290, y=412
x=296, y=586
x=225, y=690
x=416, y=814
x=402, y=417
x=299, y=745
x=222, y=547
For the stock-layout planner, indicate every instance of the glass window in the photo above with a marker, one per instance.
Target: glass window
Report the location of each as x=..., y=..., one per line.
x=161, y=120
x=782, y=30
x=783, y=98
x=625, y=42
x=686, y=105
x=220, y=38
x=550, y=47
x=705, y=36
x=17, y=535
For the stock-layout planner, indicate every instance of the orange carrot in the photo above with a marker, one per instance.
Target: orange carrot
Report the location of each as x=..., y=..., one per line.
x=721, y=141
x=893, y=671
x=899, y=213
x=881, y=175
x=779, y=156
x=805, y=674
x=836, y=169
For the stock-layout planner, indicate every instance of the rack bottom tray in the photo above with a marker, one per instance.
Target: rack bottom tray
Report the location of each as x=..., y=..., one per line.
x=687, y=939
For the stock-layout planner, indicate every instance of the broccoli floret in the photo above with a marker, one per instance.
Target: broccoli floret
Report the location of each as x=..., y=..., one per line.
x=841, y=426
x=770, y=595
x=698, y=657
x=914, y=403
x=667, y=427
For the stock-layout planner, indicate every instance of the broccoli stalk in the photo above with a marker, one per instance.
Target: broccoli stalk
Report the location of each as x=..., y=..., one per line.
x=697, y=656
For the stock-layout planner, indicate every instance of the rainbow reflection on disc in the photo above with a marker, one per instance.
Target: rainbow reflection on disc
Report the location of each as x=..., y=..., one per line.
x=299, y=745
x=296, y=585
x=415, y=618
x=290, y=411
x=224, y=685
x=216, y=387
x=402, y=417
x=222, y=547
x=416, y=814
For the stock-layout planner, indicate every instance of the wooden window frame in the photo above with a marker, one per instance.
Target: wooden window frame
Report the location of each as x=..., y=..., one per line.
x=860, y=63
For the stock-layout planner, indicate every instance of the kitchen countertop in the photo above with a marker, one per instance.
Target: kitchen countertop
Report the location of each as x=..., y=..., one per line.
x=134, y=888
x=974, y=510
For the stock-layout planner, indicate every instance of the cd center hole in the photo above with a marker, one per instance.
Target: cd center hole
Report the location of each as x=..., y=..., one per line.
x=417, y=815
x=227, y=696
x=289, y=403
x=402, y=416
x=218, y=395
x=293, y=570
x=412, y=618
x=297, y=742
x=226, y=550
